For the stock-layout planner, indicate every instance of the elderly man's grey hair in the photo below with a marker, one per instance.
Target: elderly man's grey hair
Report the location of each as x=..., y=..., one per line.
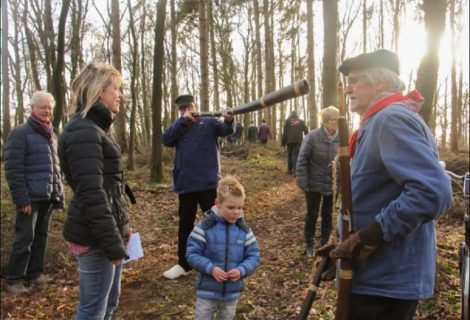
x=389, y=78
x=41, y=95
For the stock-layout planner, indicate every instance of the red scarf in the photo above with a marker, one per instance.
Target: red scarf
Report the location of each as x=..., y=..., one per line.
x=396, y=97
x=45, y=126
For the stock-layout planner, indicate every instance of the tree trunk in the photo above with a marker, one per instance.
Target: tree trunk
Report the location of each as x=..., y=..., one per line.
x=381, y=25
x=78, y=16
x=134, y=76
x=454, y=142
x=5, y=76
x=396, y=7
x=259, y=62
x=144, y=82
x=204, y=55
x=32, y=49
x=174, y=68
x=49, y=44
x=58, y=74
x=120, y=118
x=311, y=101
x=444, y=122
x=20, y=110
x=329, y=76
x=364, y=26
x=426, y=83
x=268, y=61
x=156, y=169
x=215, y=70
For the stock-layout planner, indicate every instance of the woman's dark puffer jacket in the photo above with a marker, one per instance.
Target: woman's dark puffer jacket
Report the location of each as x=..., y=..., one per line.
x=91, y=162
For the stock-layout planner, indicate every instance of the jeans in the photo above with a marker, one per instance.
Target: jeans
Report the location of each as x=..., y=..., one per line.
x=206, y=308
x=292, y=155
x=313, y=205
x=187, y=215
x=30, y=243
x=100, y=286
x=365, y=307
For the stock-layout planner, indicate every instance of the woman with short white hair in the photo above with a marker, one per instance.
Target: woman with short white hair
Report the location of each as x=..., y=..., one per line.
x=314, y=175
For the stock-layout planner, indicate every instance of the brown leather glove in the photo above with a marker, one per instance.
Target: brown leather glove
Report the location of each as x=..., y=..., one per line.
x=360, y=245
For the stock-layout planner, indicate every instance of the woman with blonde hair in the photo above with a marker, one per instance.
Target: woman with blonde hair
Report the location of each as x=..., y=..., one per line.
x=314, y=175
x=97, y=224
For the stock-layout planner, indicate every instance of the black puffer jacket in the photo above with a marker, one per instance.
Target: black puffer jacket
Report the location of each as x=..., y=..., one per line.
x=294, y=131
x=91, y=162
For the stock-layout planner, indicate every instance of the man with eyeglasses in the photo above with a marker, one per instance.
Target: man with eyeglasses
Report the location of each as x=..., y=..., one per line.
x=398, y=189
x=196, y=170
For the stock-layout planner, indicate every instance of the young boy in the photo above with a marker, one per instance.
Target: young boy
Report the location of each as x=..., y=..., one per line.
x=223, y=250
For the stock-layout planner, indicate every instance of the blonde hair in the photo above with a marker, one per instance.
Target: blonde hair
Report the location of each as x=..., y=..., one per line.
x=229, y=186
x=39, y=95
x=328, y=113
x=90, y=83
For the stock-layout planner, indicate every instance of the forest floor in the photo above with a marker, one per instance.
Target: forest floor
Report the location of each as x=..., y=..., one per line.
x=274, y=207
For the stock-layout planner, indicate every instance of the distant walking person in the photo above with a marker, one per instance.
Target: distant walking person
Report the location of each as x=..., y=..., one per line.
x=264, y=132
x=314, y=175
x=236, y=137
x=252, y=134
x=294, y=131
x=33, y=174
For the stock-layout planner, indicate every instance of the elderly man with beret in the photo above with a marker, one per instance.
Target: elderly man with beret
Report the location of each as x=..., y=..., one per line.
x=196, y=169
x=398, y=190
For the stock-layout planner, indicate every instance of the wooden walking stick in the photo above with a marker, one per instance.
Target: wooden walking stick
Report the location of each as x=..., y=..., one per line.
x=347, y=227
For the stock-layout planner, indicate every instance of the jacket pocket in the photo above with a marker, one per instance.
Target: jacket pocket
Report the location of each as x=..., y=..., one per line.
x=39, y=188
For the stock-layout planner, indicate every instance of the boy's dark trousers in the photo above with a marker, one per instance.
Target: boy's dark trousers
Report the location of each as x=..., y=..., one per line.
x=30, y=243
x=365, y=307
x=187, y=215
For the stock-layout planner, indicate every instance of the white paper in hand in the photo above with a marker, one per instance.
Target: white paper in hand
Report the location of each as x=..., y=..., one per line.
x=134, y=248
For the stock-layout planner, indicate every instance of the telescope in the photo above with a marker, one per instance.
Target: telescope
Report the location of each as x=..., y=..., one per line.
x=296, y=89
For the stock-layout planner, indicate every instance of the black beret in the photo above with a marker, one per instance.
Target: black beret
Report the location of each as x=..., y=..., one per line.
x=184, y=100
x=377, y=59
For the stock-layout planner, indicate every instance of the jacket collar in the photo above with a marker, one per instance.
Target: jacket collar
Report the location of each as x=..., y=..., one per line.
x=100, y=115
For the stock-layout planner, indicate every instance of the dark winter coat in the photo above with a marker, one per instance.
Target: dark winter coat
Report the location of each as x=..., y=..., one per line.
x=197, y=160
x=32, y=166
x=252, y=134
x=314, y=164
x=91, y=161
x=294, y=131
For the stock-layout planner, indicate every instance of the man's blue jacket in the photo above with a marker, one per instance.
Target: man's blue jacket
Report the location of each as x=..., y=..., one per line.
x=197, y=160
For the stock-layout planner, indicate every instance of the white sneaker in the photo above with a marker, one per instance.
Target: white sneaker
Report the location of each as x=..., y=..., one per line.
x=175, y=272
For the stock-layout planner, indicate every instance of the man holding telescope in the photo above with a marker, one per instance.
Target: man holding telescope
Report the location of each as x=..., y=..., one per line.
x=197, y=168
x=398, y=189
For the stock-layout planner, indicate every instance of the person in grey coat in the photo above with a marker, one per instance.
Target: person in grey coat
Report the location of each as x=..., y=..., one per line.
x=314, y=175
x=35, y=181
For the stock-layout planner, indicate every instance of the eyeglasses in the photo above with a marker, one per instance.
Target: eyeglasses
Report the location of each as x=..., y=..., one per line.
x=353, y=80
